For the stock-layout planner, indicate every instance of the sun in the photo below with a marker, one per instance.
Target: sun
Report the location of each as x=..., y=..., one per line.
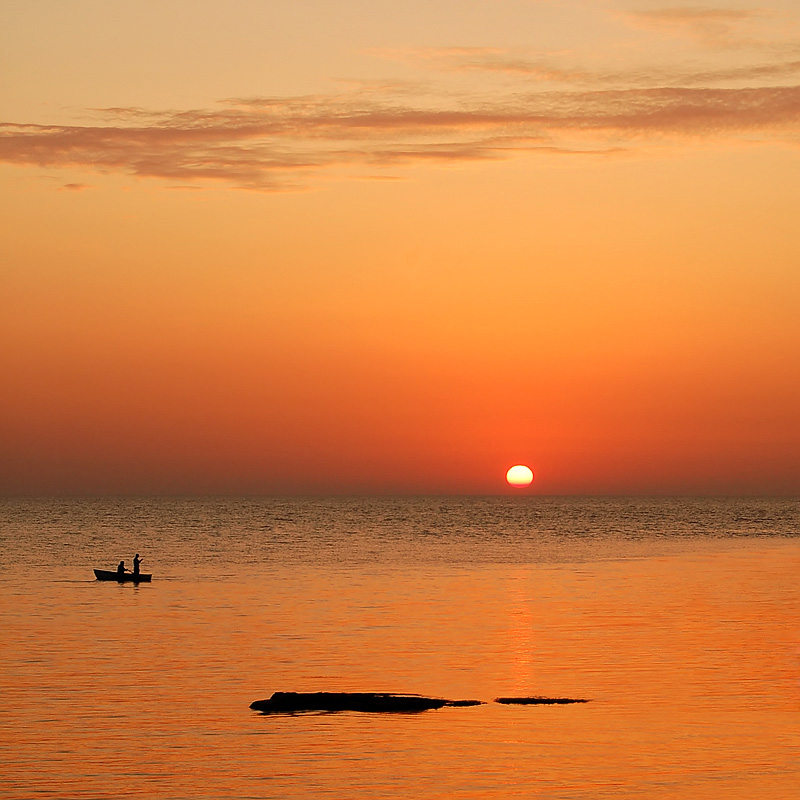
x=520, y=476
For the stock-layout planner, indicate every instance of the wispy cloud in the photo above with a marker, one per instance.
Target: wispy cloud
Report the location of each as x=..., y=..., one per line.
x=712, y=27
x=550, y=69
x=489, y=59
x=751, y=72
x=280, y=143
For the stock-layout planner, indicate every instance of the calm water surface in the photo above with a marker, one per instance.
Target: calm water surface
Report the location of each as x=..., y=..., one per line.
x=678, y=619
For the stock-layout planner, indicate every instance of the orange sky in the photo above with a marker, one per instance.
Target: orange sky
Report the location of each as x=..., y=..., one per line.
x=293, y=247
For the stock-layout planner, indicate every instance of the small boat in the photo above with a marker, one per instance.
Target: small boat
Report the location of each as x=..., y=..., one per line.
x=127, y=577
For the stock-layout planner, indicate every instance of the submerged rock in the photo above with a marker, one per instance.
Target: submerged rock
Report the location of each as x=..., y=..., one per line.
x=376, y=702
x=533, y=701
x=382, y=702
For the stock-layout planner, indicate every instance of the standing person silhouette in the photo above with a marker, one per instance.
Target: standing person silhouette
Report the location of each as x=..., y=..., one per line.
x=136, y=562
x=121, y=571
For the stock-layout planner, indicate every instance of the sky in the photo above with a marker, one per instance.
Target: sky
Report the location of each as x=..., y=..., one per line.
x=372, y=247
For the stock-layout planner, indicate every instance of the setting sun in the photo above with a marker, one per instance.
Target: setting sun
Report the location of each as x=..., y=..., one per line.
x=519, y=476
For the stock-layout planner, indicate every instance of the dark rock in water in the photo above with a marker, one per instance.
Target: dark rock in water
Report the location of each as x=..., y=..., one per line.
x=534, y=701
x=291, y=702
x=461, y=703
x=381, y=702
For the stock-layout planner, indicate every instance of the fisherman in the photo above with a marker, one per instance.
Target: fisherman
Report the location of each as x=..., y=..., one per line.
x=136, y=562
x=121, y=571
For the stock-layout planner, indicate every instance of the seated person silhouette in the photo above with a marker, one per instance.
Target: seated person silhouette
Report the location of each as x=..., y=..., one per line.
x=121, y=571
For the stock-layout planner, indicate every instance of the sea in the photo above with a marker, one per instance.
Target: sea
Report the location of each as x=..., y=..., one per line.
x=677, y=619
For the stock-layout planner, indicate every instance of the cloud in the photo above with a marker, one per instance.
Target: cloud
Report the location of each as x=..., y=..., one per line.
x=712, y=27
x=545, y=68
x=281, y=143
x=492, y=60
x=749, y=72
x=74, y=187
